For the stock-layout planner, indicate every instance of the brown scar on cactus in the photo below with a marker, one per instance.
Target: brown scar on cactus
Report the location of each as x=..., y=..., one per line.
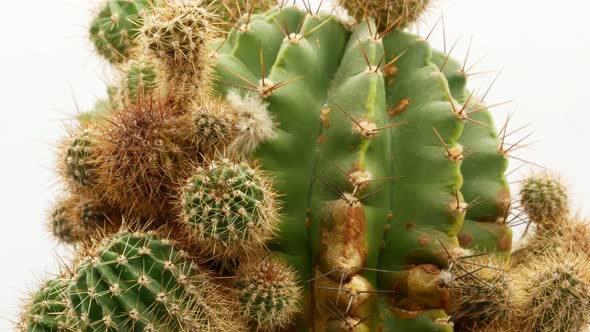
x=343, y=241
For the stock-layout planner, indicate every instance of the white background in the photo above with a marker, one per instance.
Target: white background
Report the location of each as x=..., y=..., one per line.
x=48, y=70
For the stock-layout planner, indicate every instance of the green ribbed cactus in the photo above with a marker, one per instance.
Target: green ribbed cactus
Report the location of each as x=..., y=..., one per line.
x=370, y=133
x=141, y=282
x=77, y=158
x=544, y=198
x=228, y=209
x=114, y=28
x=269, y=293
x=554, y=293
x=140, y=78
x=48, y=309
x=309, y=172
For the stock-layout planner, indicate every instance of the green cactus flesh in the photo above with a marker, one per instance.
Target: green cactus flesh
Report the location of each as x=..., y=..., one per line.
x=368, y=162
x=60, y=225
x=545, y=200
x=140, y=282
x=48, y=309
x=77, y=167
x=225, y=208
x=114, y=29
x=141, y=78
x=484, y=188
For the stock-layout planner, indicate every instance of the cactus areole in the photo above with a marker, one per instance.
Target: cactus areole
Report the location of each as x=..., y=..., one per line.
x=368, y=159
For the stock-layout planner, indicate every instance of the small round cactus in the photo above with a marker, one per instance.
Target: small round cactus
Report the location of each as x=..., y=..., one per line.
x=76, y=218
x=141, y=282
x=545, y=200
x=482, y=295
x=178, y=32
x=268, y=292
x=142, y=77
x=60, y=225
x=387, y=12
x=229, y=208
x=213, y=124
x=92, y=215
x=572, y=235
x=114, y=29
x=139, y=155
x=554, y=293
x=48, y=309
x=77, y=161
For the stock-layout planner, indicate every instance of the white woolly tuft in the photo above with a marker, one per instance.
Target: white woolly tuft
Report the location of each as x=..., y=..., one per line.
x=253, y=123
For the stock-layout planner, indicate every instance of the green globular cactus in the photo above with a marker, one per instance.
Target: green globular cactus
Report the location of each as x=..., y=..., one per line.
x=483, y=295
x=49, y=309
x=142, y=78
x=387, y=13
x=544, y=198
x=229, y=209
x=60, y=225
x=115, y=27
x=141, y=282
x=554, y=293
x=213, y=124
x=269, y=293
x=77, y=161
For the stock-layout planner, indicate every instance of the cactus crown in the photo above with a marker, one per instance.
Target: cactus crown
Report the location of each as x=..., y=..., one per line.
x=545, y=200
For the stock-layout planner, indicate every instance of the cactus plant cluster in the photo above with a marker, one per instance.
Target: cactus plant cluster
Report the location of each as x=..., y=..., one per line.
x=275, y=168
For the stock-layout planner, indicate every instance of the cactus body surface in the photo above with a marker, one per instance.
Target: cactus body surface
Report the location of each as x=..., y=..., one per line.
x=369, y=133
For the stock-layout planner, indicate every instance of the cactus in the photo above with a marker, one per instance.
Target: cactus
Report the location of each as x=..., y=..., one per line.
x=229, y=209
x=554, y=293
x=268, y=292
x=138, y=154
x=115, y=27
x=366, y=112
x=141, y=77
x=177, y=34
x=483, y=295
x=387, y=13
x=59, y=223
x=141, y=282
x=76, y=218
x=49, y=309
x=545, y=200
x=78, y=165
x=213, y=124
x=338, y=175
